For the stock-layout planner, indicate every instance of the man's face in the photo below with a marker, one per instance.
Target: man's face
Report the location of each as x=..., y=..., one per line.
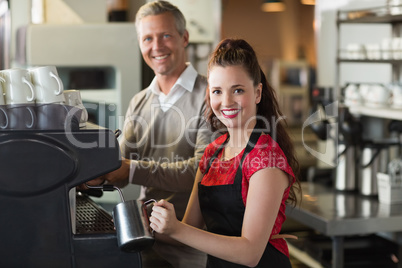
x=162, y=47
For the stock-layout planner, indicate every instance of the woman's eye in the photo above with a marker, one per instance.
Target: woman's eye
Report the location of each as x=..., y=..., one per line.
x=216, y=92
x=238, y=90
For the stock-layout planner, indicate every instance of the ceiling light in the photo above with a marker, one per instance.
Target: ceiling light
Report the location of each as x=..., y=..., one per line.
x=272, y=6
x=308, y=2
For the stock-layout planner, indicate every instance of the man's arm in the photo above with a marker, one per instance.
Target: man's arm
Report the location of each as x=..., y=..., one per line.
x=175, y=176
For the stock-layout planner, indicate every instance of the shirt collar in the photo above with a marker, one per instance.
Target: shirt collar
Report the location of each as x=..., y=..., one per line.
x=186, y=80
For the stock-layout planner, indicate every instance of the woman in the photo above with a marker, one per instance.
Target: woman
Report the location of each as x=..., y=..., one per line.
x=245, y=176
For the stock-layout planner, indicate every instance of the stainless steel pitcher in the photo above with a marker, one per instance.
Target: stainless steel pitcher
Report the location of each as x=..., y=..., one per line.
x=131, y=222
x=132, y=225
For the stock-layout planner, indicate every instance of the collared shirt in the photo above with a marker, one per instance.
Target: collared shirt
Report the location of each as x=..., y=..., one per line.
x=184, y=83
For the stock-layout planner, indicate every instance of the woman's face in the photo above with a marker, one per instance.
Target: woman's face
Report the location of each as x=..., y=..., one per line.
x=233, y=96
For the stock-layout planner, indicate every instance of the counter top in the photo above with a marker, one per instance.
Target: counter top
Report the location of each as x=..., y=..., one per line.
x=336, y=213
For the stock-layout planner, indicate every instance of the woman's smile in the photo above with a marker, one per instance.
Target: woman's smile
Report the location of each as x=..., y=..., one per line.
x=230, y=113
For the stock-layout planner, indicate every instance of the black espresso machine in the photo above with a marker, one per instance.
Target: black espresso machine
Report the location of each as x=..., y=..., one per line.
x=43, y=222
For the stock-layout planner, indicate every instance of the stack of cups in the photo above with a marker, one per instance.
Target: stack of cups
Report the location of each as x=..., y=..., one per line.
x=49, y=90
x=19, y=96
x=35, y=98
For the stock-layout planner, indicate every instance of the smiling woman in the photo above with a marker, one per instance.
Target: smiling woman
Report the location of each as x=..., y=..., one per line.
x=245, y=176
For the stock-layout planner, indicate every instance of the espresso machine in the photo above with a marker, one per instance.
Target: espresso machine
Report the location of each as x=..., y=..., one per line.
x=44, y=222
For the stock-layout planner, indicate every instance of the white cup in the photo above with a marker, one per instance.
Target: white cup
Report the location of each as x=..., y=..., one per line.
x=377, y=96
x=48, y=85
x=396, y=48
x=386, y=48
x=364, y=89
x=3, y=118
x=396, y=95
x=17, y=86
x=73, y=98
x=2, y=100
x=395, y=7
x=356, y=51
x=22, y=117
x=373, y=51
x=352, y=95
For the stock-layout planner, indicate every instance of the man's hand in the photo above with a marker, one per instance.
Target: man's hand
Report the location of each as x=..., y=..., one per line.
x=118, y=177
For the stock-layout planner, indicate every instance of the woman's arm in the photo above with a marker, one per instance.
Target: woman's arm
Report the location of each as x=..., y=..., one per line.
x=192, y=216
x=264, y=198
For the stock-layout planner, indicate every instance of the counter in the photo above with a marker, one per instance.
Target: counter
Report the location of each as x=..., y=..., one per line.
x=338, y=214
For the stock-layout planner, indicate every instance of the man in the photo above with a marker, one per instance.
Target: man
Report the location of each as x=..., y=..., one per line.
x=164, y=133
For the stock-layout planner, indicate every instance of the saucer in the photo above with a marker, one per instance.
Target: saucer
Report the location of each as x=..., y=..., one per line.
x=353, y=102
x=397, y=106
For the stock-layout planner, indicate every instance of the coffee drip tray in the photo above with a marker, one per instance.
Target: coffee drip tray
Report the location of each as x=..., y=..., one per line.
x=91, y=218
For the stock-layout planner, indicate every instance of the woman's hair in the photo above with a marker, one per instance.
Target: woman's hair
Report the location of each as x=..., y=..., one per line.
x=159, y=7
x=237, y=52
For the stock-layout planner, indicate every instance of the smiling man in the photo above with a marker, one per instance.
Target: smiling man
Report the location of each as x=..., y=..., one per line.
x=165, y=133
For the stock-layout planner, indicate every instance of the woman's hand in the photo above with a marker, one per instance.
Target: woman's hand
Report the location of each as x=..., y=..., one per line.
x=163, y=218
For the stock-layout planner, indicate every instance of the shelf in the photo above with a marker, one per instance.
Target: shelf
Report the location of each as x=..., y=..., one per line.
x=385, y=112
x=374, y=19
x=373, y=15
x=340, y=60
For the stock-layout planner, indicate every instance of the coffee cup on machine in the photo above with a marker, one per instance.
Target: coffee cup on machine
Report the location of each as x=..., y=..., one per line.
x=73, y=98
x=3, y=118
x=21, y=117
x=3, y=114
x=17, y=87
x=56, y=117
x=47, y=84
x=2, y=101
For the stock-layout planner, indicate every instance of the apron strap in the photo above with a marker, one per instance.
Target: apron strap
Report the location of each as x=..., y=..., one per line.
x=255, y=135
x=215, y=155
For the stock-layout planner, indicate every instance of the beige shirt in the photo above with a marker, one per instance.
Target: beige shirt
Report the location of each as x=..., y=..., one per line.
x=166, y=146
